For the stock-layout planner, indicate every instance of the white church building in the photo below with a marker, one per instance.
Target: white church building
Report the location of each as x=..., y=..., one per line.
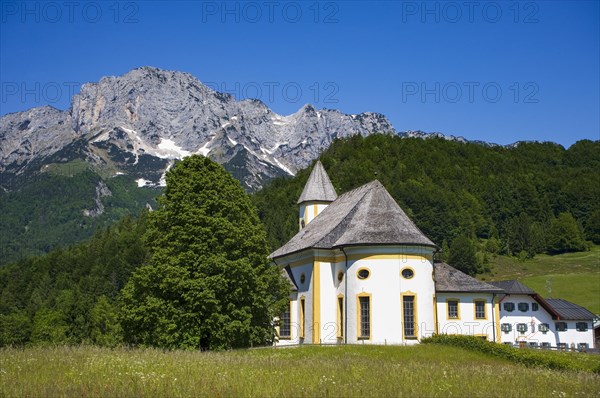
x=363, y=273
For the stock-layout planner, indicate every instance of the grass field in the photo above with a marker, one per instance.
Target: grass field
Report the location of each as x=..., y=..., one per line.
x=572, y=276
x=349, y=371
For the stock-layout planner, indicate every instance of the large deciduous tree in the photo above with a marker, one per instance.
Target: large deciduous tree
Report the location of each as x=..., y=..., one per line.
x=208, y=283
x=565, y=235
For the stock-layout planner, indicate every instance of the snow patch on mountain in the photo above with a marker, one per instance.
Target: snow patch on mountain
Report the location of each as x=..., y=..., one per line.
x=142, y=182
x=170, y=150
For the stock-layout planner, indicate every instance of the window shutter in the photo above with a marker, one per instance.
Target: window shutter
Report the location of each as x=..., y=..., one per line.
x=582, y=326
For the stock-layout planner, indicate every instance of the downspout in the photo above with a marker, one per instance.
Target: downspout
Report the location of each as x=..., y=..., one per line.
x=345, y=297
x=435, y=314
x=493, y=318
x=435, y=311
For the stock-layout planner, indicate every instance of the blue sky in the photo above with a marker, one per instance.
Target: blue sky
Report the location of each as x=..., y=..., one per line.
x=494, y=71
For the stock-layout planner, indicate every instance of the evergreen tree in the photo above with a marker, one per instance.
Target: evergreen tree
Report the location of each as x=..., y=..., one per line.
x=537, y=240
x=525, y=237
x=463, y=255
x=444, y=254
x=208, y=283
x=106, y=329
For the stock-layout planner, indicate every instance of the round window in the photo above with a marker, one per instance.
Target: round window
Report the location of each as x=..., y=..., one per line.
x=340, y=276
x=363, y=273
x=302, y=278
x=407, y=273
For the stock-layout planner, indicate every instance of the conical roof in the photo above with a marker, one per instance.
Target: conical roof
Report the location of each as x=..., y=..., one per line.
x=318, y=188
x=367, y=215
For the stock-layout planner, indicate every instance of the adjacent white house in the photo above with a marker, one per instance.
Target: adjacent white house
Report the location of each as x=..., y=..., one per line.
x=363, y=273
x=528, y=319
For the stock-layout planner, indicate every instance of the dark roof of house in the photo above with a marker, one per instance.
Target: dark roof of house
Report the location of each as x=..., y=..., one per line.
x=513, y=287
x=318, y=188
x=516, y=287
x=449, y=279
x=570, y=311
x=367, y=215
x=287, y=274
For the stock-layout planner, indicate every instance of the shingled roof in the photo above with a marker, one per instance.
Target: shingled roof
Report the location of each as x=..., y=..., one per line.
x=449, y=279
x=318, y=188
x=570, y=311
x=367, y=215
x=513, y=287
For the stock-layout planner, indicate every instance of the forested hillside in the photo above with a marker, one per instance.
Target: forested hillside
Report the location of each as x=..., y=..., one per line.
x=63, y=205
x=69, y=296
x=522, y=200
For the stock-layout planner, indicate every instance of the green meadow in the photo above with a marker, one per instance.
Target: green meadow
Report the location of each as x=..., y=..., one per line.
x=571, y=276
x=349, y=371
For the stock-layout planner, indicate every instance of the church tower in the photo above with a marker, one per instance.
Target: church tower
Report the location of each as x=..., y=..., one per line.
x=318, y=193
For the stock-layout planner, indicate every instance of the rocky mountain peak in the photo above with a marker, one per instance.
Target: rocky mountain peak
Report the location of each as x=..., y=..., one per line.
x=151, y=116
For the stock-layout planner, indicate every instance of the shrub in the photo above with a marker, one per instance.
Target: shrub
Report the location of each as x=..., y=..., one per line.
x=531, y=358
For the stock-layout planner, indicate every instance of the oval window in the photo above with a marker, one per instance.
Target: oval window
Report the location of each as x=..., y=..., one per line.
x=363, y=273
x=407, y=273
x=302, y=278
x=340, y=276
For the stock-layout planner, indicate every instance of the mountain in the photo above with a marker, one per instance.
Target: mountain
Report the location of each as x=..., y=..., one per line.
x=63, y=174
x=66, y=173
x=140, y=122
x=448, y=137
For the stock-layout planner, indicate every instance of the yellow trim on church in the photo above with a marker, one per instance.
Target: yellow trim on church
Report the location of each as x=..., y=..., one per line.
x=302, y=316
x=316, y=327
x=485, y=311
x=436, y=324
x=358, y=318
x=457, y=309
x=370, y=257
x=415, y=315
x=340, y=316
